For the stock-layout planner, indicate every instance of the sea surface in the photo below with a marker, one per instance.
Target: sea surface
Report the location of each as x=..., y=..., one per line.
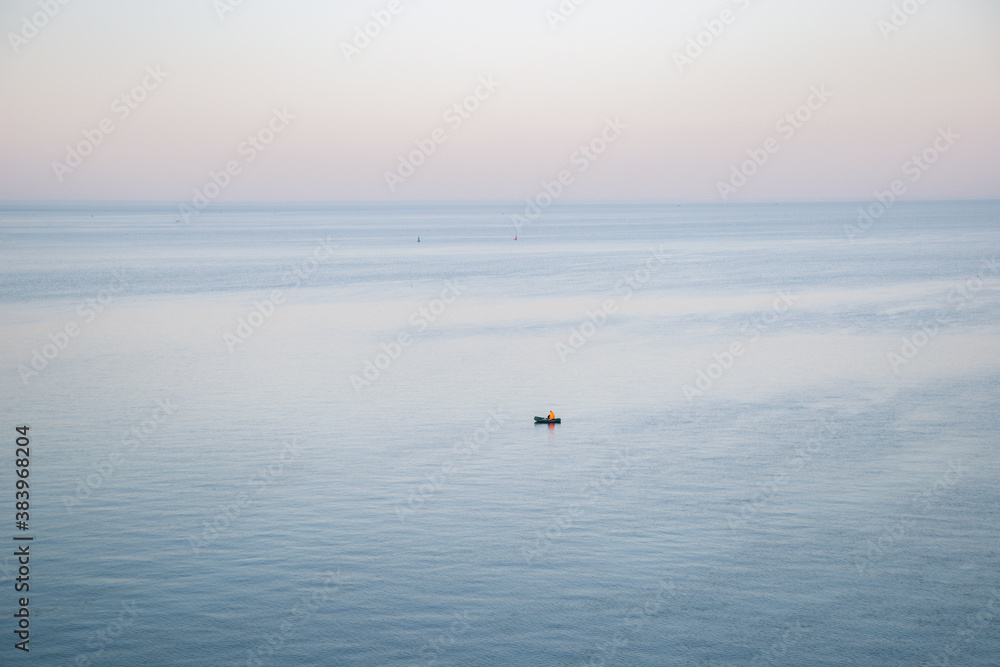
x=275, y=435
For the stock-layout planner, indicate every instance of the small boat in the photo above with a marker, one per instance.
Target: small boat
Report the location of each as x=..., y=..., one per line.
x=546, y=420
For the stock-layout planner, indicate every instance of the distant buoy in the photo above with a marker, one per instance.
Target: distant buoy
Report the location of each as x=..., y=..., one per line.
x=515, y=237
x=418, y=239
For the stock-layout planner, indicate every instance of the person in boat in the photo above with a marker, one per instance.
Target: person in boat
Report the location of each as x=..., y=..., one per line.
x=552, y=415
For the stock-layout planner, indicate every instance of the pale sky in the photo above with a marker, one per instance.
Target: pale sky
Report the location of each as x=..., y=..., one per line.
x=681, y=129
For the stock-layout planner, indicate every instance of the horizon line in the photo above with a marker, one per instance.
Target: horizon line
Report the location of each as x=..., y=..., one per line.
x=18, y=204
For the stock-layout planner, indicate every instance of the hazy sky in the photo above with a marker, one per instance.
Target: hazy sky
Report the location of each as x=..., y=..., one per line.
x=677, y=128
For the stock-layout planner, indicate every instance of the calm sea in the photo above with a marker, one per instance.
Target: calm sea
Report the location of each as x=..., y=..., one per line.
x=298, y=436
